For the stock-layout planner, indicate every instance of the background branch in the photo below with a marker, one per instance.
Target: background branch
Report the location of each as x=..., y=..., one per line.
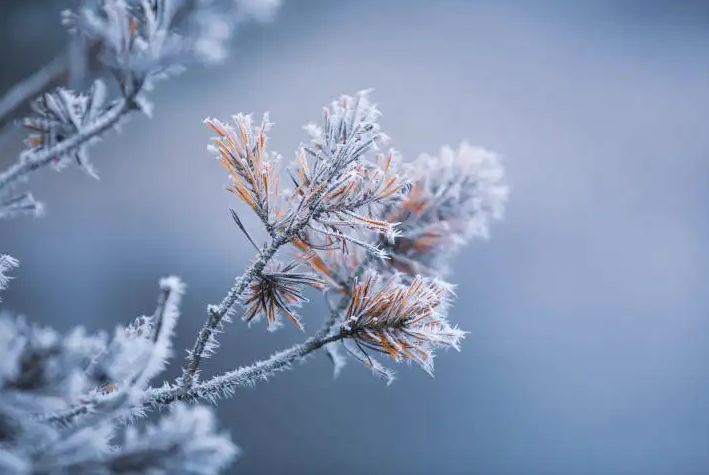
x=30, y=162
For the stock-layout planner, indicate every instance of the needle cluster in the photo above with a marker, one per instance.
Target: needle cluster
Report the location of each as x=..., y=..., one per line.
x=405, y=322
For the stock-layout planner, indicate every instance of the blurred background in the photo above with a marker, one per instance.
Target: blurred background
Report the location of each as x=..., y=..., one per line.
x=588, y=309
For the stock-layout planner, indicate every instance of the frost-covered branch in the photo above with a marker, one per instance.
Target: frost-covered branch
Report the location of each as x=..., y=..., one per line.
x=147, y=344
x=339, y=183
x=405, y=322
x=184, y=441
x=222, y=386
x=207, y=23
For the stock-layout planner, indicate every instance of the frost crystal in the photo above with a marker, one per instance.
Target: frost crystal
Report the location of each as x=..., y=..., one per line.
x=405, y=322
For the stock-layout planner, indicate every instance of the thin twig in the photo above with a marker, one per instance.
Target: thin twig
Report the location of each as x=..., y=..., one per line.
x=218, y=386
x=224, y=385
x=162, y=330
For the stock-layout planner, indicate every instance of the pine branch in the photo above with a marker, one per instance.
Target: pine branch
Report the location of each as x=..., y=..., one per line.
x=206, y=341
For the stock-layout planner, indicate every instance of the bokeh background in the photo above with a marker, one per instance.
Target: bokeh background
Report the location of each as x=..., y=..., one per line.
x=588, y=310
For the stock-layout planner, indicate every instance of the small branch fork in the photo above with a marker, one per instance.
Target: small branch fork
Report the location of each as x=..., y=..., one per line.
x=218, y=312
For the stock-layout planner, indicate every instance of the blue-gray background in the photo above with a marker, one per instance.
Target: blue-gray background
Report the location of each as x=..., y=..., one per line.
x=588, y=309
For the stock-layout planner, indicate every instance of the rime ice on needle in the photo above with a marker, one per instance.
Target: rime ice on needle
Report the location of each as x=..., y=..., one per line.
x=145, y=37
x=340, y=190
x=452, y=198
x=333, y=263
x=140, y=350
x=335, y=191
x=142, y=34
x=405, y=322
x=138, y=42
x=335, y=197
x=254, y=174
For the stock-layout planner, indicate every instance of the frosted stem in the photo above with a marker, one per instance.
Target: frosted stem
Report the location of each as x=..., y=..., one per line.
x=224, y=385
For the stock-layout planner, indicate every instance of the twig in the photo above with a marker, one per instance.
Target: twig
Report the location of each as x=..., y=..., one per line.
x=224, y=385
x=218, y=386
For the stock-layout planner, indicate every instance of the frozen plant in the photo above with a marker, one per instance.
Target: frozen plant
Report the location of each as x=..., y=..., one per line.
x=362, y=225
